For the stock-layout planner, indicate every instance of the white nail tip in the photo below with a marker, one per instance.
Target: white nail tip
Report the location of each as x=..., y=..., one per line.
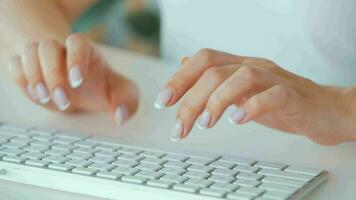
x=163, y=98
x=176, y=132
x=42, y=93
x=204, y=120
x=237, y=115
x=75, y=77
x=121, y=114
x=60, y=99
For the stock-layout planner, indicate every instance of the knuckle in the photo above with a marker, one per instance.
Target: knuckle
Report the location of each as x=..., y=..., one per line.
x=217, y=100
x=249, y=73
x=265, y=60
x=213, y=74
x=282, y=91
x=207, y=56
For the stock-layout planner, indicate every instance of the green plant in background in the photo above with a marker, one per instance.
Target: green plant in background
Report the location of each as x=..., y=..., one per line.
x=113, y=23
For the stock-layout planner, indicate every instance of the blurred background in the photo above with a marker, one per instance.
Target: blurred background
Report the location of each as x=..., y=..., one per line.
x=129, y=24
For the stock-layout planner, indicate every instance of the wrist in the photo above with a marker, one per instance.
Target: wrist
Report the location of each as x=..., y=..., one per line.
x=348, y=101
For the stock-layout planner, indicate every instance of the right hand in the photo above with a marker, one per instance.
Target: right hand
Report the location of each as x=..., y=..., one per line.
x=73, y=77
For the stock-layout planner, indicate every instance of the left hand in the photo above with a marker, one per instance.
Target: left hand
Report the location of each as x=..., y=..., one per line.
x=211, y=81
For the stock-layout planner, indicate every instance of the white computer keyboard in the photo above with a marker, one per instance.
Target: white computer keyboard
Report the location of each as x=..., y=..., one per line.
x=106, y=168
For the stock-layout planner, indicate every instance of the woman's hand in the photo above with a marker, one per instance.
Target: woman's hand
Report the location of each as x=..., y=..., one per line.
x=73, y=77
x=211, y=81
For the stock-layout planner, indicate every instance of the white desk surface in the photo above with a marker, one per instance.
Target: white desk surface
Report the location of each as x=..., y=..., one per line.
x=150, y=128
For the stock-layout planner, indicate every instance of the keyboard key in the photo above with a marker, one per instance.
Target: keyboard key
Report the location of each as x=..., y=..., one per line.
x=79, y=162
x=250, y=176
x=250, y=190
x=37, y=163
x=227, y=172
x=172, y=170
x=86, y=144
x=159, y=183
x=107, y=147
x=201, y=168
x=279, y=187
x=212, y=192
x=43, y=137
x=198, y=182
x=85, y=150
x=63, y=147
x=199, y=161
x=57, y=152
x=175, y=157
x=247, y=183
x=196, y=174
x=276, y=195
x=186, y=188
x=33, y=155
x=128, y=150
x=177, y=164
x=125, y=170
x=77, y=136
x=134, y=179
x=42, y=143
x=173, y=178
x=153, y=154
x=131, y=157
x=101, y=159
x=109, y=175
x=107, y=153
x=14, y=145
x=153, y=161
x=12, y=152
x=61, y=167
x=227, y=187
x=15, y=159
x=270, y=165
x=222, y=164
x=238, y=161
x=245, y=168
x=240, y=196
x=149, y=174
x=21, y=140
x=125, y=163
x=150, y=167
x=101, y=166
x=284, y=181
x=84, y=171
x=56, y=159
x=36, y=148
x=64, y=140
x=303, y=170
x=285, y=174
x=83, y=156
x=221, y=178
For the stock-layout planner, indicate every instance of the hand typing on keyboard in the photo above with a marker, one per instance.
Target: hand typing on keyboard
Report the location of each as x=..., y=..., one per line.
x=73, y=76
x=259, y=90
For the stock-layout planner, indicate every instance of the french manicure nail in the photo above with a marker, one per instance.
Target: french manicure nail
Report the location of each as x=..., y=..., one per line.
x=75, y=77
x=237, y=115
x=42, y=93
x=121, y=114
x=163, y=98
x=204, y=120
x=60, y=99
x=177, y=130
x=31, y=92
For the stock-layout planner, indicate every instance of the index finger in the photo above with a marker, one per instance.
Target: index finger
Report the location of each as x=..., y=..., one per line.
x=192, y=68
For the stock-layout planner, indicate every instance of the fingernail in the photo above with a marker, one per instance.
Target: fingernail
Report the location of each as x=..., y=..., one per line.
x=121, y=114
x=204, y=120
x=42, y=93
x=60, y=99
x=75, y=77
x=31, y=92
x=237, y=115
x=177, y=130
x=163, y=98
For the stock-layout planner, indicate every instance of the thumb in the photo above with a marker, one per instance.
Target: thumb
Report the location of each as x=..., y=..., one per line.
x=124, y=98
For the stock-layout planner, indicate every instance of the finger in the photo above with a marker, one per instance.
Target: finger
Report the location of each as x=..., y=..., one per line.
x=244, y=82
x=190, y=72
x=124, y=97
x=270, y=100
x=78, y=52
x=16, y=73
x=195, y=100
x=52, y=59
x=33, y=73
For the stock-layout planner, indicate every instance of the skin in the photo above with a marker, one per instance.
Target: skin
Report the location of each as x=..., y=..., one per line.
x=42, y=53
x=212, y=81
